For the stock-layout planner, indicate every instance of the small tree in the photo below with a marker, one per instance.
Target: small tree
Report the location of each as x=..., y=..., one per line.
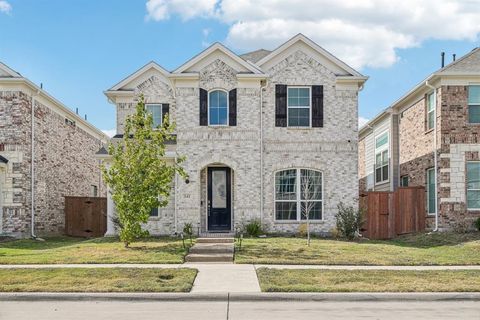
x=311, y=189
x=139, y=177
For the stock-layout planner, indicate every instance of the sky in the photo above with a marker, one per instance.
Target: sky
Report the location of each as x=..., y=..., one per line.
x=79, y=48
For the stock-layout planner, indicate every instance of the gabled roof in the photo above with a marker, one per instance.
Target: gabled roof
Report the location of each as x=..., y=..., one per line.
x=220, y=47
x=464, y=64
x=300, y=37
x=255, y=56
x=6, y=71
x=139, y=72
x=460, y=67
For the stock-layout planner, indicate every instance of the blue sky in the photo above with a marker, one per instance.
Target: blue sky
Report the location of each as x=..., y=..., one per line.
x=79, y=48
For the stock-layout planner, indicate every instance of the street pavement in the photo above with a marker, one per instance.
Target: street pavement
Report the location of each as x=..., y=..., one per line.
x=213, y=310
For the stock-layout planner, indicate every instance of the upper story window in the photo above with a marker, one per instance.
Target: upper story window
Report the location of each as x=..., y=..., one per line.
x=474, y=104
x=430, y=111
x=217, y=108
x=299, y=106
x=381, y=158
x=157, y=114
x=298, y=194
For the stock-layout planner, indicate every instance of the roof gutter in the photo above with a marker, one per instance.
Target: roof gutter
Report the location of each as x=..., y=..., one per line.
x=435, y=150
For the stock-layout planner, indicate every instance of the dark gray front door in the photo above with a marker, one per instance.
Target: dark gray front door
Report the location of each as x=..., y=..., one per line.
x=219, y=199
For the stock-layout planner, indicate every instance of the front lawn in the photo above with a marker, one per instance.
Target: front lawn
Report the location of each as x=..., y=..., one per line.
x=100, y=250
x=97, y=280
x=421, y=249
x=273, y=280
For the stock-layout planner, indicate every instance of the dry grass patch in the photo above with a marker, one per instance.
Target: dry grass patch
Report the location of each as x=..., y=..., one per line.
x=421, y=249
x=100, y=250
x=97, y=280
x=273, y=280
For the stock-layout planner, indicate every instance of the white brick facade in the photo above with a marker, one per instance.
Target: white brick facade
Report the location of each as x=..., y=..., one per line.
x=331, y=149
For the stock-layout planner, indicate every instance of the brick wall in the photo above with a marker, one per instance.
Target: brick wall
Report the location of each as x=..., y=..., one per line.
x=64, y=165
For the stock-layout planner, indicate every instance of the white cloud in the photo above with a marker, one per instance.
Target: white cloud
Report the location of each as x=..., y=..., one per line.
x=362, y=121
x=5, y=7
x=110, y=132
x=162, y=9
x=362, y=33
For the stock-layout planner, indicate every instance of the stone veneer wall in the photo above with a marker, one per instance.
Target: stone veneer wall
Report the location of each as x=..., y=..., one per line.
x=64, y=165
x=459, y=143
x=331, y=149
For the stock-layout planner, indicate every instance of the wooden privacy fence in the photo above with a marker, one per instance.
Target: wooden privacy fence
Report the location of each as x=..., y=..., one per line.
x=85, y=216
x=389, y=214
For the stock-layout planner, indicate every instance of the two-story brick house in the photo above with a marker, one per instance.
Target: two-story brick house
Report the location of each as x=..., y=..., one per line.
x=47, y=152
x=251, y=127
x=442, y=113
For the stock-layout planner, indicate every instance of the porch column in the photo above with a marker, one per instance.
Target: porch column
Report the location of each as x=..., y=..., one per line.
x=110, y=214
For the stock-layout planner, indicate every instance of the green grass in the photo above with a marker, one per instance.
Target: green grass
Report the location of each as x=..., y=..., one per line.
x=421, y=249
x=272, y=280
x=97, y=280
x=100, y=250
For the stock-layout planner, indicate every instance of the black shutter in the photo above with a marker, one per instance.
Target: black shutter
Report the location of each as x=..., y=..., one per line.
x=280, y=105
x=232, y=107
x=166, y=110
x=203, y=107
x=317, y=106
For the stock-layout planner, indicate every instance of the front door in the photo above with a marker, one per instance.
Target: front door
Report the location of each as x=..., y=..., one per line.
x=219, y=199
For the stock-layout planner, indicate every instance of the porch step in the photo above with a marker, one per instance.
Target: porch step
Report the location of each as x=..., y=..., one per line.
x=215, y=240
x=208, y=248
x=212, y=250
x=211, y=257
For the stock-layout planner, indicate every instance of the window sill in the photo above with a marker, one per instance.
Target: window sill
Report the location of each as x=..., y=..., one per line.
x=474, y=124
x=300, y=128
x=154, y=219
x=381, y=183
x=298, y=222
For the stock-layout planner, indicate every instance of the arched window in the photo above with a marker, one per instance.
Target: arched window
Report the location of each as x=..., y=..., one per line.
x=298, y=194
x=217, y=108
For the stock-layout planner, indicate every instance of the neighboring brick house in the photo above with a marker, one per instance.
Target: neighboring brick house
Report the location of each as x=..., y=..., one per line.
x=250, y=127
x=64, y=157
x=441, y=113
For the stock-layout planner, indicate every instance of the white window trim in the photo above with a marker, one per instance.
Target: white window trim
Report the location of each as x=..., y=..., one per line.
x=228, y=108
x=428, y=192
x=466, y=186
x=161, y=111
x=301, y=107
x=298, y=198
x=381, y=150
x=431, y=111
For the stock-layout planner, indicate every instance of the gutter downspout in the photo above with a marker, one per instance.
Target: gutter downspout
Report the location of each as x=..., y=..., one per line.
x=435, y=151
x=261, y=151
x=32, y=165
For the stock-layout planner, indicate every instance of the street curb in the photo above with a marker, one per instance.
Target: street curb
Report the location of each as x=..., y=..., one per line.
x=242, y=297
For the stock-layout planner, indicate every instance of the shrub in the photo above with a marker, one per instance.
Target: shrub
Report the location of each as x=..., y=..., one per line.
x=461, y=226
x=477, y=224
x=188, y=229
x=334, y=233
x=253, y=228
x=302, y=230
x=349, y=221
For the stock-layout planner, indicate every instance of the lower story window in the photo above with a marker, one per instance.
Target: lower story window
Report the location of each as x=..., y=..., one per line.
x=298, y=195
x=404, y=181
x=473, y=185
x=154, y=212
x=431, y=193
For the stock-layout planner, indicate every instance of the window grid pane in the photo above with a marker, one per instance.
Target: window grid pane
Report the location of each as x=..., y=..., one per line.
x=156, y=111
x=381, y=140
x=473, y=185
x=474, y=114
x=474, y=95
x=431, y=190
x=296, y=192
x=218, y=107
